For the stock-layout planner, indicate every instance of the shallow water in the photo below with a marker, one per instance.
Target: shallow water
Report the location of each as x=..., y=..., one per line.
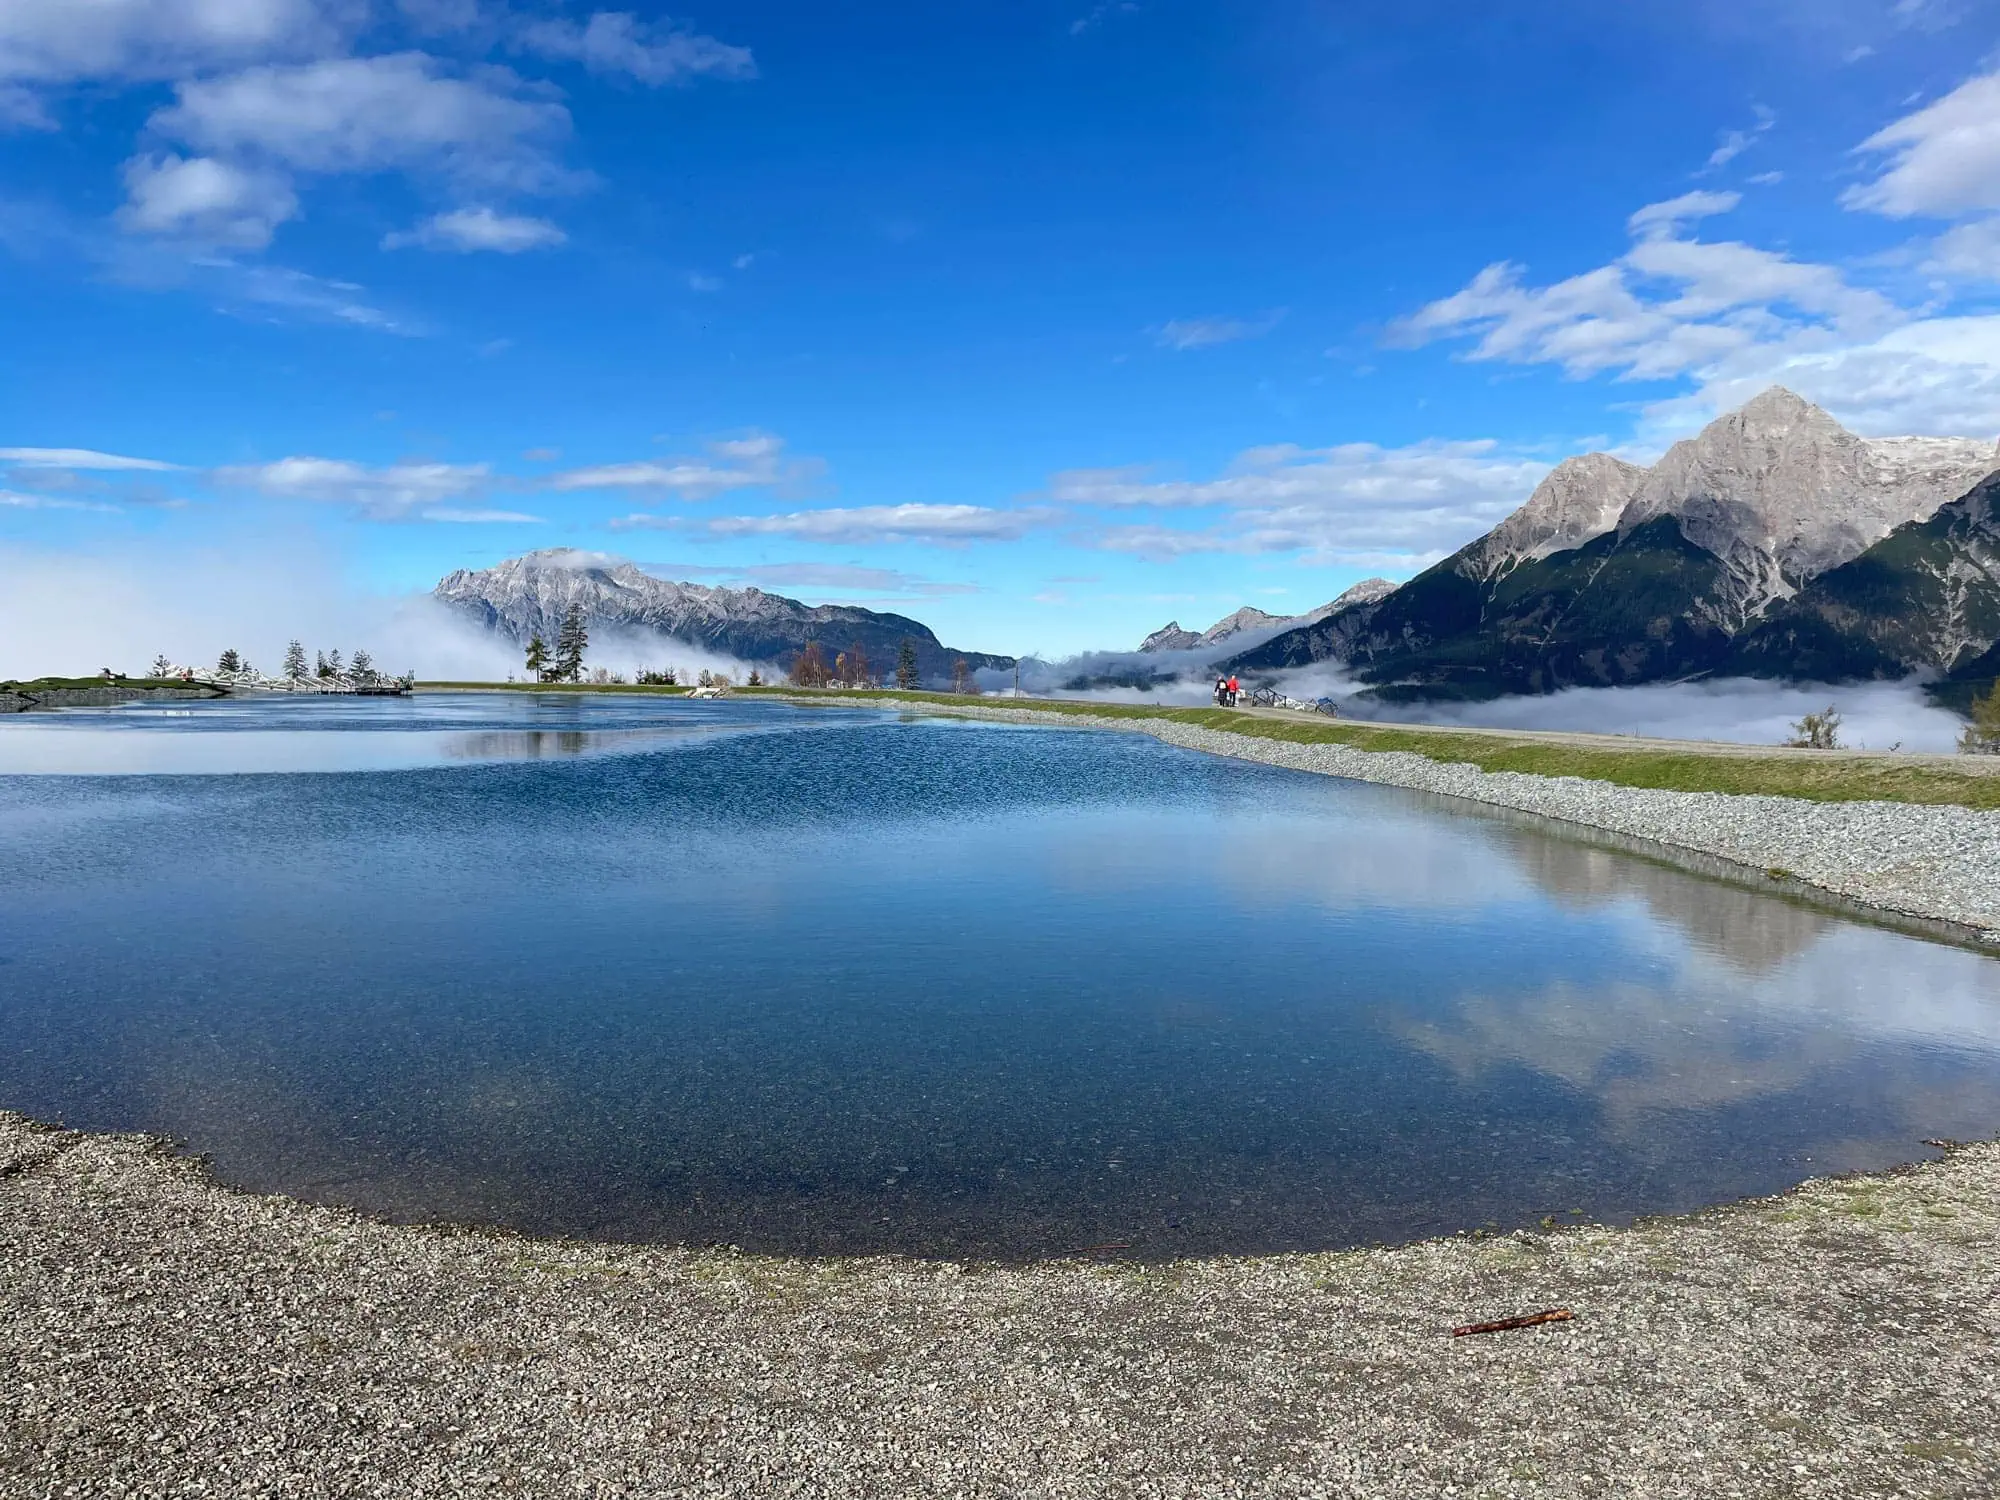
x=831, y=980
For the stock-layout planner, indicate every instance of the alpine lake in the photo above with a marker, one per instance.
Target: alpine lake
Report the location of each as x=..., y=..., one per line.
x=846, y=980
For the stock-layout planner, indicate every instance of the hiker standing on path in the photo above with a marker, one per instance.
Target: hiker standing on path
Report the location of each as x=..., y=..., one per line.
x=1233, y=690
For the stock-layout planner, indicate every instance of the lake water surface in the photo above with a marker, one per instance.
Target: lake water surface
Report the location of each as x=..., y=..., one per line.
x=838, y=980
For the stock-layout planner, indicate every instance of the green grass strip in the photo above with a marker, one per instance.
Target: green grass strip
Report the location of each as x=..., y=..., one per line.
x=1816, y=776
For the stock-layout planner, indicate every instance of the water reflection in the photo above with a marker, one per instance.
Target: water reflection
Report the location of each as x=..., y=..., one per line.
x=944, y=990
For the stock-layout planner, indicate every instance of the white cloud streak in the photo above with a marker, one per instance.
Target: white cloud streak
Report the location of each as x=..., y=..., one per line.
x=1355, y=504
x=396, y=492
x=946, y=525
x=654, y=53
x=81, y=458
x=1205, y=333
x=466, y=230
x=754, y=462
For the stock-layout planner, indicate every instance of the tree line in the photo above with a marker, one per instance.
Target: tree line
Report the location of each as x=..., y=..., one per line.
x=851, y=668
x=325, y=665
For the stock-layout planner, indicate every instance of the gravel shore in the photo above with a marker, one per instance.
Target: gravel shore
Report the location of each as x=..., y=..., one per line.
x=1935, y=864
x=166, y=1336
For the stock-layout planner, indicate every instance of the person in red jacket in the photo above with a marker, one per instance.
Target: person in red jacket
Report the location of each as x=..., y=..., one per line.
x=1233, y=690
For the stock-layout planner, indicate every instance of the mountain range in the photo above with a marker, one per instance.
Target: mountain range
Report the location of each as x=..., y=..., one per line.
x=1773, y=543
x=1171, y=637
x=529, y=595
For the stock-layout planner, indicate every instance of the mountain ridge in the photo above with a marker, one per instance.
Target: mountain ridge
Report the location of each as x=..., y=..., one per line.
x=1697, y=550
x=528, y=595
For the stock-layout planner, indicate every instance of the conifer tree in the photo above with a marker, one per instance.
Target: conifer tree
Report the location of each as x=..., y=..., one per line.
x=538, y=657
x=319, y=664
x=161, y=666
x=756, y=678
x=364, y=667
x=906, y=665
x=229, y=661
x=333, y=664
x=571, y=641
x=295, y=661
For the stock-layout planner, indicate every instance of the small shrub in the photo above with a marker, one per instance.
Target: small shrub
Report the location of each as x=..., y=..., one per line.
x=1820, y=731
x=1982, y=735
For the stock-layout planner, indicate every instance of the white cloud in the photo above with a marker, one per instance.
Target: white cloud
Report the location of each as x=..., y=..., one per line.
x=205, y=200
x=1356, y=504
x=1670, y=306
x=1204, y=333
x=946, y=524
x=652, y=52
x=1733, y=143
x=1971, y=251
x=699, y=282
x=470, y=229
x=58, y=41
x=454, y=514
x=15, y=500
x=364, y=114
x=1943, y=160
x=397, y=492
x=1938, y=375
x=80, y=458
x=754, y=462
x=1656, y=220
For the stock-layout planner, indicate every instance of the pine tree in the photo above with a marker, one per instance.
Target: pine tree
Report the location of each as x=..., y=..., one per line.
x=364, y=667
x=295, y=661
x=571, y=641
x=906, y=665
x=334, y=668
x=161, y=666
x=756, y=678
x=319, y=664
x=538, y=658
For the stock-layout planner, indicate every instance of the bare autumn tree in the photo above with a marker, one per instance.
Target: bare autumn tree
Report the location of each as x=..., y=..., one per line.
x=962, y=680
x=854, y=666
x=811, y=670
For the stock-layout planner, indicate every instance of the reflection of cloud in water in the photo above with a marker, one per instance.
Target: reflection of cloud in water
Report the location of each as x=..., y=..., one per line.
x=1748, y=930
x=1366, y=852
x=1707, y=1034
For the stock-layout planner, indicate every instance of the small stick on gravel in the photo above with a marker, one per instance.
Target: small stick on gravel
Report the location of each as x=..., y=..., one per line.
x=1527, y=1320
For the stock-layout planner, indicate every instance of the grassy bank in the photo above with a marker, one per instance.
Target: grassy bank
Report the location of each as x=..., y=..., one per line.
x=74, y=684
x=1819, y=776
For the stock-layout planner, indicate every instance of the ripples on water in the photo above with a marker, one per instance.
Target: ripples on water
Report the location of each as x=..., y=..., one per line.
x=832, y=980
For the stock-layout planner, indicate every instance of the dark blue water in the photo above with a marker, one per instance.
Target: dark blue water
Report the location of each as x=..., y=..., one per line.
x=834, y=981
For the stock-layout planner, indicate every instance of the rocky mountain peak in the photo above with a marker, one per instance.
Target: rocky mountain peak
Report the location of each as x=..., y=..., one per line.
x=1781, y=492
x=1170, y=637
x=1581, y=498
x=1365, y=592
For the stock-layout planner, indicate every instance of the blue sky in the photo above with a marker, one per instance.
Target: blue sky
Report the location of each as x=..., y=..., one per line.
x=1043, y=322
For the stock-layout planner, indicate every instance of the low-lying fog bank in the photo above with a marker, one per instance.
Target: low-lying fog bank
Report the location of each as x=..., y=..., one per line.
x=1743, y=710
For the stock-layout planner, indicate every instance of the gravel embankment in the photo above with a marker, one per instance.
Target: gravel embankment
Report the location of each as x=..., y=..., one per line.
x=163, y=1336
x=1939, y=864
